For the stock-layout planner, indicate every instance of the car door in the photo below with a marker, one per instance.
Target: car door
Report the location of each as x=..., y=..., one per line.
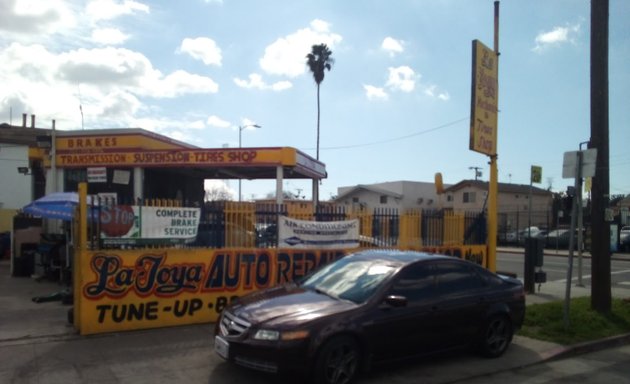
x=396, y=331
x=463, y=302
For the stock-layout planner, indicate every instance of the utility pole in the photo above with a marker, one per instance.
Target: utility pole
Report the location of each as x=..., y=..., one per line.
x=601, y=300
x=477, y=172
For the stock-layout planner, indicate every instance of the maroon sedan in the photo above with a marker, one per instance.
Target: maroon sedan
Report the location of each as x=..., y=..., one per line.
x=370, y=307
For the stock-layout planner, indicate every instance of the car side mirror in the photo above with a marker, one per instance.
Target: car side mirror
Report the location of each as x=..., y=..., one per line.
x=396, y=301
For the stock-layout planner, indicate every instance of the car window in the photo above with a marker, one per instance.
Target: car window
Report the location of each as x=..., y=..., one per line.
x=456, y=278
x=350, y=278
x=415, y=282
x=488, y=277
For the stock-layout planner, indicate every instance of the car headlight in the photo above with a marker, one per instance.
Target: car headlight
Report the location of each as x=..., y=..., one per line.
x=270, y=335
x=266, y=334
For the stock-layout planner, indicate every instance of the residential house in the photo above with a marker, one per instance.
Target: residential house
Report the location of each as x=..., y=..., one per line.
x=513, y=203
x=401, y=195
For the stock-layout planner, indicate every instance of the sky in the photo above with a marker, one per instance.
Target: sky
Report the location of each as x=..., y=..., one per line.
x=395, y=105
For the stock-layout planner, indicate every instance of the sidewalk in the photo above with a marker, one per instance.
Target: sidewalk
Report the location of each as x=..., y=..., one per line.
x=25, y=322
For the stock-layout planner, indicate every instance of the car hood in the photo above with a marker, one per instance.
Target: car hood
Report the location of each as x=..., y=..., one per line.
x=287, y=305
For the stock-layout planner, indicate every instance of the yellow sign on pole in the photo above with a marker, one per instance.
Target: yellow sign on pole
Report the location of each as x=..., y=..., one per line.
x=485, y=100
x=536, y=174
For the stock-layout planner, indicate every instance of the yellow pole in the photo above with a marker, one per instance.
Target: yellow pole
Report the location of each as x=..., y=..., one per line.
x=492, y=215
x=493, y=188
x=80, y=247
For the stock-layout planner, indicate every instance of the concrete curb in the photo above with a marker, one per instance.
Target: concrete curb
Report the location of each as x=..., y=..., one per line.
x=554, y=354
x=585, y=347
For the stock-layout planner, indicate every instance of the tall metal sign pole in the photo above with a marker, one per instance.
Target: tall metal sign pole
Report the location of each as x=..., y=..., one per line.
x=576, y=164
x=483, y=123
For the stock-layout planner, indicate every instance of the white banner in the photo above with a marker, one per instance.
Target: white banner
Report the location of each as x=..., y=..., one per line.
x=317, y=234
x=125, y=221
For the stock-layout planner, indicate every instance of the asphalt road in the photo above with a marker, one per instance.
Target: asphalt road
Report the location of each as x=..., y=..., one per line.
x=556, y=268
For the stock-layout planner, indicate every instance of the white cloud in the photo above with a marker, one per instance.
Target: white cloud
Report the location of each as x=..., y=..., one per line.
x=119, y=67
x=111, y=84
x=401, y=78
x=117, y=105
x=432, y=91
x=392, y=46
x=216, y=121
x=375, y=93
x=255, y=81
x=109, y=36
x=287, y=55
x=183, y=130
x=556, y=37
x=28, y=16
x=202, y=48
x=110, y=9
x=180, y=83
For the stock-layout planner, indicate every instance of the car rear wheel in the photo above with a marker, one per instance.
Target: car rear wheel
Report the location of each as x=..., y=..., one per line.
x=496, y=336
x=338, y=361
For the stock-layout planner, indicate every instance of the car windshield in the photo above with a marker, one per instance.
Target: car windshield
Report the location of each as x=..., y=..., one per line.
x=350, y=278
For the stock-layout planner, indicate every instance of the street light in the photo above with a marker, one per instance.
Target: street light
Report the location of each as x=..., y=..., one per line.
x=240, y=130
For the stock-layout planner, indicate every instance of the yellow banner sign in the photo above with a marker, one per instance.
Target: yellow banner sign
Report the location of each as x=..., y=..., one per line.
x=196, y=157
x=125, y=290
x=485, y=100
x=98, y=143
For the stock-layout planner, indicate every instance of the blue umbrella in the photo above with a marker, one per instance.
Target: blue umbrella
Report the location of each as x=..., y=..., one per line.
x=57, y=205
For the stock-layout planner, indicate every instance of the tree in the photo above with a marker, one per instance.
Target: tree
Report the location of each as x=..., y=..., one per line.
x=218, y=193
x=318, y=61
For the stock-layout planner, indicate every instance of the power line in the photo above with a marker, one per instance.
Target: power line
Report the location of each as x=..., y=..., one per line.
x=398, y=138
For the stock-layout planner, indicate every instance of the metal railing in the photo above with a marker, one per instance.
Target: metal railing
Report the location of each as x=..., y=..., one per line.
x=229, y=224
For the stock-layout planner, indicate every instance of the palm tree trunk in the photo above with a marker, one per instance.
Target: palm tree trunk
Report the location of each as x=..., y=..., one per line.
x=317, y=157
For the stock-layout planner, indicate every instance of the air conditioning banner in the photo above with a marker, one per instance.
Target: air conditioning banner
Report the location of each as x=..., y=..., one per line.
x=294, y=233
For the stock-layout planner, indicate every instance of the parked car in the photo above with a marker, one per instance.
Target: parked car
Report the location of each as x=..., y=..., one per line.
x=511, y=237
x=370, y=307
x=624, y=238
x=560, y=238
x=527, y=232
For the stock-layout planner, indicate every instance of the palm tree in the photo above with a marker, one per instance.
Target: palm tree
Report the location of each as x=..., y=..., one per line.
x=318, y=61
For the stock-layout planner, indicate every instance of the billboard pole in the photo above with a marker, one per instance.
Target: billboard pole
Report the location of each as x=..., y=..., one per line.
x=493, y=190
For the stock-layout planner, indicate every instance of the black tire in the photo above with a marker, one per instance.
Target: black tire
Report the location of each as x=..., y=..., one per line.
x=337, y=361
x=496, y=337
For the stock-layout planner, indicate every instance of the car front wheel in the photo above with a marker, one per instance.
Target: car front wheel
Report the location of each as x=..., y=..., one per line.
x=338, y=361
x=496, y=336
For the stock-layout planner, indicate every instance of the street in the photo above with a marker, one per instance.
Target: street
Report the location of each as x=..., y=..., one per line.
x=556, y=268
